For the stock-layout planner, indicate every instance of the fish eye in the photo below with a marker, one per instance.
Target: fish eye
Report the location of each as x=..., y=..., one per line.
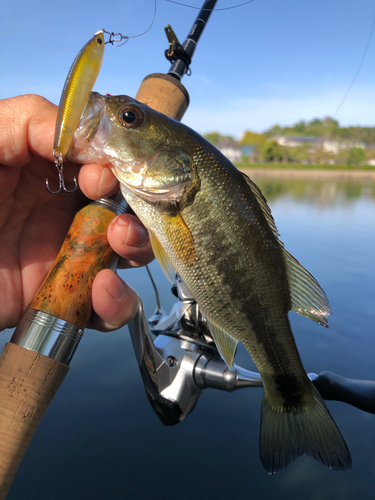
x=131, y=117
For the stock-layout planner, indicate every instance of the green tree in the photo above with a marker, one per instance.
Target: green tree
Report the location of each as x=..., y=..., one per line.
x=275, y=130
x=215, y=137
x=272, y=152
x=344, y=133
x=315, y=122
x=330, y=127
x=356, y=156
x=253, y=139
x=299, y=154
x=212, y=137
x=300, y=127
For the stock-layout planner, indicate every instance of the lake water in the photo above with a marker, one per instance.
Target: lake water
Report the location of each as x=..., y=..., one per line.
x=101, y=440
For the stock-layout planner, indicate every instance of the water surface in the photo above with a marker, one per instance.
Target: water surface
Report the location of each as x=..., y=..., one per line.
x=101, y=440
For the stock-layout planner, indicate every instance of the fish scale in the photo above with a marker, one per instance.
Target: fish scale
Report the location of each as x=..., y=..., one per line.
x=216, y=230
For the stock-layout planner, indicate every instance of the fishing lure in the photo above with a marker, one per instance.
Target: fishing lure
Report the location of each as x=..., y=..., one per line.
x=78, y=85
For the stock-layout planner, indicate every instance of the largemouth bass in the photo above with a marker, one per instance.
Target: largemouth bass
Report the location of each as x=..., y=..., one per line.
x=211, y=224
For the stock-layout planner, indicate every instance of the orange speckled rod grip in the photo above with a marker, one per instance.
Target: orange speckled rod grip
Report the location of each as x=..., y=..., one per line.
x=66, y=291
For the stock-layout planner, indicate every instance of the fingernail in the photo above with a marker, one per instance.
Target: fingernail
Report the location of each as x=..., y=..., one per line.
x=104, y=180
x=115, y=287
x=137, y=235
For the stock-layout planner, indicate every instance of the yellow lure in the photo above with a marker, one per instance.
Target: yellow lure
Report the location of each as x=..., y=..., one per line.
x=78, y=85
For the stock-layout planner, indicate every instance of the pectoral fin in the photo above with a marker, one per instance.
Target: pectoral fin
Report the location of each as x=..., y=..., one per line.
x=225, y=343
x=179, y=237
x=162, y=258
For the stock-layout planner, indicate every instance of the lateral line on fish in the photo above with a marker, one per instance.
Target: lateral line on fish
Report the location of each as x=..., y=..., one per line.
x=269, y=340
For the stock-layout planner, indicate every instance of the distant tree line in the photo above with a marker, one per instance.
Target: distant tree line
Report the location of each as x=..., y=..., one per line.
x=265, y=147
x=328, y=128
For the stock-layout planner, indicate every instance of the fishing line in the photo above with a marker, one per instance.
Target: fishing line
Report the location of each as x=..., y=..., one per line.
x=148, y=29
x=126, y=38
x=210, y=10
x=359, y=67
x=265, y=192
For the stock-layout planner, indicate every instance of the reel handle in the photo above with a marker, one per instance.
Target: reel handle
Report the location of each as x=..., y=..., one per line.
x=358, y=393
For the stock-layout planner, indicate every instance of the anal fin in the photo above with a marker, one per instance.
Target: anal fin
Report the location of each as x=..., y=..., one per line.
x=225, y=343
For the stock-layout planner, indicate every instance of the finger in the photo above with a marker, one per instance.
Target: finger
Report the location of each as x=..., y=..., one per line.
x=27, y=126
x=97, y=181
x=114, y=302
x=129, y=239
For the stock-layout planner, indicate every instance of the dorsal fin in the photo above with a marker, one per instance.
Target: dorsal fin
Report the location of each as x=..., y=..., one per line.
x=307, y=297
x=263, y=205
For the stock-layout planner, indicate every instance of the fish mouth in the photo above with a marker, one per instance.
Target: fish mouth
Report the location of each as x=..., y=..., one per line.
x=87, y=139
x=172, y=193
x=152, y=187
x=162, y=176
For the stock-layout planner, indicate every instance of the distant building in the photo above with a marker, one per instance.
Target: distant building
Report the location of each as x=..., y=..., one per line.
x=336, y=146
x=332, y=146
x=328, y=145
x=295, y=141
x=250, y=152
x=231, y=150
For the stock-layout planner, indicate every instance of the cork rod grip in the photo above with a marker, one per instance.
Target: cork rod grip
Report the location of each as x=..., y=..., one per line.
x=164, y=94
x=28, y=382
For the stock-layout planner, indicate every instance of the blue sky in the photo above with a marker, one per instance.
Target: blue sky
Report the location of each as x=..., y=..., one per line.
x=264, y=63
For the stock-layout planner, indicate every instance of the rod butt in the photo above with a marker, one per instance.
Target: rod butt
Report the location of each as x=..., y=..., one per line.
x=28, y=383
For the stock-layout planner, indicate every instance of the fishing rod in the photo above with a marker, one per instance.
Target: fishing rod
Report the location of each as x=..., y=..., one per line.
x=35, y=362
x=164, y=92
x=180, y=55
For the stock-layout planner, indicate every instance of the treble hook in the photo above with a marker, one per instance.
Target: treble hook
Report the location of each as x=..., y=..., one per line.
x=59, y=164
x=112, y=38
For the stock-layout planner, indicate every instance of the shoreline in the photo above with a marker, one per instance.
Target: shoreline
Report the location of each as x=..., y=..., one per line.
x=320, y=174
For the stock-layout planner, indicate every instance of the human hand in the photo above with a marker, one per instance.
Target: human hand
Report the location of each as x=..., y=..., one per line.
x=34, y=223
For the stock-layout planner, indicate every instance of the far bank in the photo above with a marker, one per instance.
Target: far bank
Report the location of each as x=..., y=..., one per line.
x=308, y=173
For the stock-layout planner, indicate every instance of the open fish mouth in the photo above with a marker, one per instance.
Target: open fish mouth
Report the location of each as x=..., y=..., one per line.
x=87, y=141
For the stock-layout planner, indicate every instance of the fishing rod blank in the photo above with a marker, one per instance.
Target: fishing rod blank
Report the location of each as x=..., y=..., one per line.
x=165, y=92
x=181, y=65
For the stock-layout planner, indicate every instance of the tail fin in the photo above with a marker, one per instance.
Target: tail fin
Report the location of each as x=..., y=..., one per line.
x=285, y=434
